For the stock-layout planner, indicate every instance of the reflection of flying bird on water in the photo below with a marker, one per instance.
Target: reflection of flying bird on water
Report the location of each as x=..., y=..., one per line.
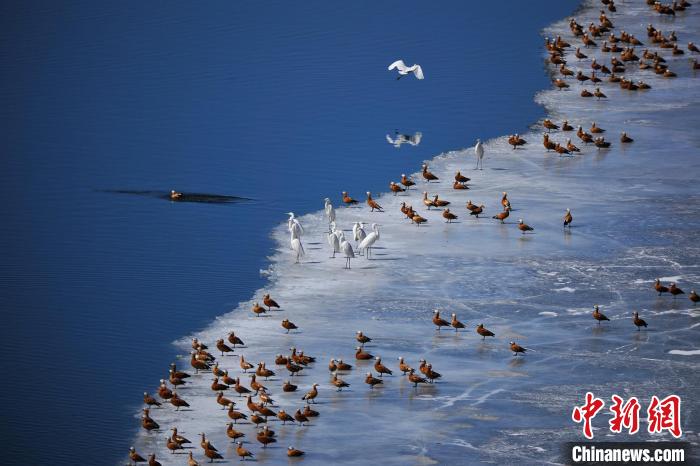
x=404, y=70
x=399, y=139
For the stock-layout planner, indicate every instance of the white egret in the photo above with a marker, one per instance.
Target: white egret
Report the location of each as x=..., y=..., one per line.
x=349, y=253
x=399, y=139
x=369, y=241
x=333, y=240
x=293, y=223
x=298, y=249
x=404, y=70
x=330, y=211
x=479, y=152
x=358, y=232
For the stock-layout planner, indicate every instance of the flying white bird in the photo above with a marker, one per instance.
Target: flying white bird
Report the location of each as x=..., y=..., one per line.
x=399, y=139
x=330, y=211
x=298, y=249
x=404, y=70
x=349, y=253
x=479, y=152
x=369, y=241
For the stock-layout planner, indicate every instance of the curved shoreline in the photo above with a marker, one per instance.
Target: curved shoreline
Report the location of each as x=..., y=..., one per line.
x=308, y=292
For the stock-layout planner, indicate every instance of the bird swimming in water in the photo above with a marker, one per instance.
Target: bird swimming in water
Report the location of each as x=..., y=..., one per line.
x=404, y=70
x=174, y=195
x=693, y=296
x=638, y=322
x=599, y=316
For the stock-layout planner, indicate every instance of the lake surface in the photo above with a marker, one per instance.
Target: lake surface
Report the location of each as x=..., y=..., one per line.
x=282, y=104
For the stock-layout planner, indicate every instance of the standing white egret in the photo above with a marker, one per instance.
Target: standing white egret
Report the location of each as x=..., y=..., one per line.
x=293, y=223
x=369, y=241
x=349, y=253
x=479, y=152
x=298, y=249
x=330, y=211
x=404, y=70
x=333, y=240
x=358, y=233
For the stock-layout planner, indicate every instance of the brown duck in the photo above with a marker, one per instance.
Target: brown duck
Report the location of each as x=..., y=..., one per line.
x=286, y=324
x=258, y=309
x=523, y=227
x=284, y=417
x=693, y=296
x=288, y=387
x=270, y=303
x=311, y=395
x=149, y=400
x=245, y=365
x=372, y=381
x=659, y=287
x=233, y=433
x=403, y=367
x=339, y=383
x=502, y=215
x=599, y=316
x=415, y=379
x=407, y=182
x=674, y=290
x=381, y=368
x=427, y=175
x=484, y=332
x=374, y=205
x=348, y=200
x=293, y=452
x=223, y=347
x=456, y=324
x=639, y=322
x=234, y=340
x=242, y=452
x=359, y=336
x=438, y=321
x=234, y=415
x=362, y=355
x=516, y=349
x=568, y=218
x=449, y=216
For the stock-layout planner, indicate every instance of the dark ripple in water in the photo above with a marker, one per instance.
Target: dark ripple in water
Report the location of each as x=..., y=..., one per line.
x=185, y=197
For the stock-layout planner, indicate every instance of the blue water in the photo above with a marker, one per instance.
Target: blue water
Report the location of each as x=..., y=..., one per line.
x=283, y=103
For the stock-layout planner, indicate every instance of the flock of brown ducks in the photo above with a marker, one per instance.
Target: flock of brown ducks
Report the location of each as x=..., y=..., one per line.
x=258, y=398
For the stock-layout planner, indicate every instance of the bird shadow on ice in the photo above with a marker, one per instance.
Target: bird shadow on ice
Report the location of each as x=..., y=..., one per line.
x=516, y=361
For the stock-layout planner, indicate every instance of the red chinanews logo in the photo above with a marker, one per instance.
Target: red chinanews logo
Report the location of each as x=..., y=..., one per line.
x=662, y=415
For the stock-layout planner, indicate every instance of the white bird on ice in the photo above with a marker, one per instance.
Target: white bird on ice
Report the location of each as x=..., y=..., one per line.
x=298, y=249
x=479, y=152
x=404, y=70
x=349, y=253
x=294, y=225
x=330, y=211
x=358, y=232
x=399, y=139
x=333, y=240
x=369, y=241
